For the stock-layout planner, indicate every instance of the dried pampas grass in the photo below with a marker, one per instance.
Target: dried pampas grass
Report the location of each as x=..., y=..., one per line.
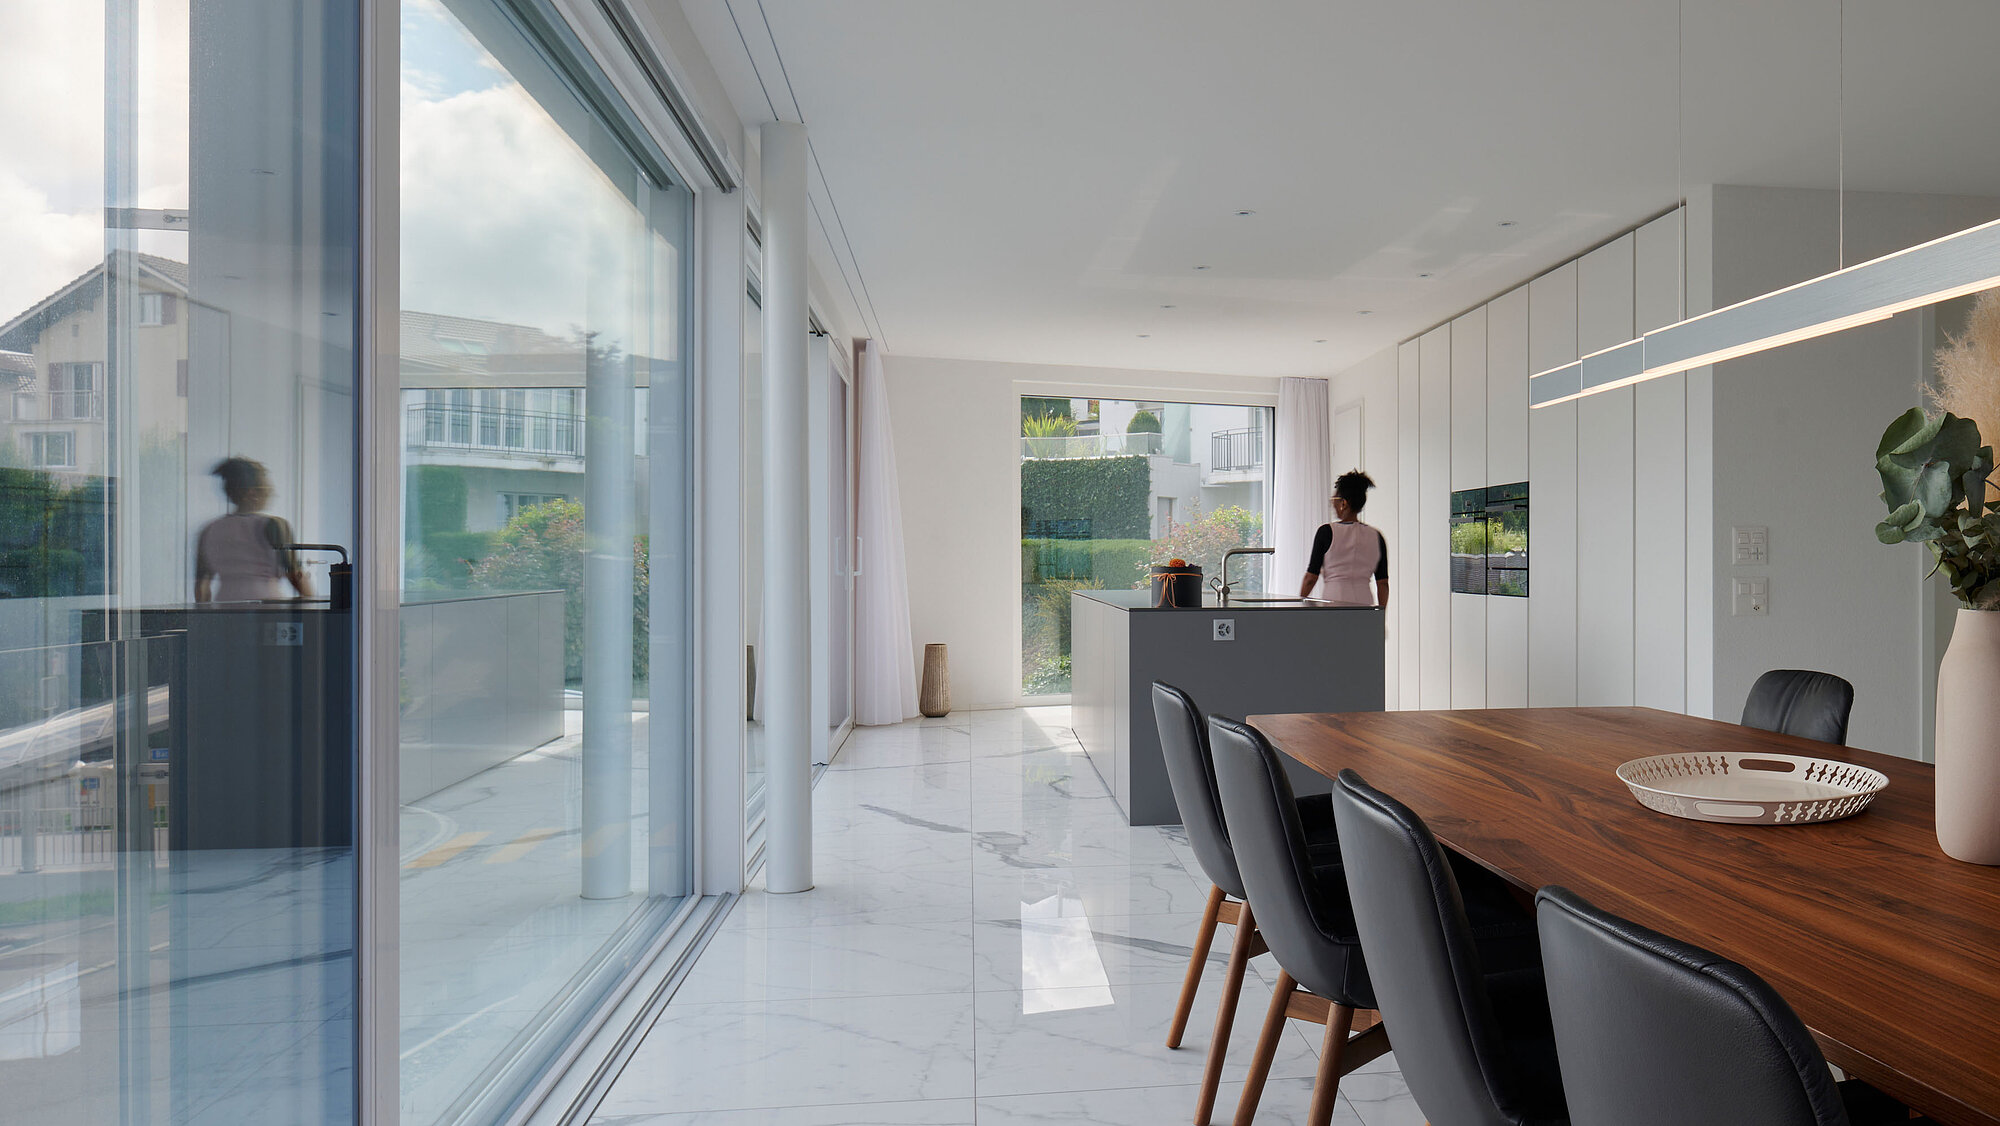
x=1968, y=375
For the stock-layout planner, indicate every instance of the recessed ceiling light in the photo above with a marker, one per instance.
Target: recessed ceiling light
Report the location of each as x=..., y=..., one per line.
x=1144, y=335
x=1245, y=214
x=1366, y=312
x=1321, y=340
x=1506, y=222
x=1423, y=275
x=1201, y=267
x=1166, y=306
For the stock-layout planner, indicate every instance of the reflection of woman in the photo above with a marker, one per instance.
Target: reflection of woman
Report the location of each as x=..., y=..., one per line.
x=245, y=553
x=1347, y=554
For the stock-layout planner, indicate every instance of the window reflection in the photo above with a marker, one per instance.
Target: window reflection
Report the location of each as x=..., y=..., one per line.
x=545, y=813
x=176, y=724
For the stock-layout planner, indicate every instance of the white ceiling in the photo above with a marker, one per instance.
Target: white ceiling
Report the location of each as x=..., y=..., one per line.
x=1035, y=180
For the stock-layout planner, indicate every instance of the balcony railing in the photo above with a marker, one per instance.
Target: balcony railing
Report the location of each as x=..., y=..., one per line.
x=1234, y=451
x=541, y=434
x=58, y=406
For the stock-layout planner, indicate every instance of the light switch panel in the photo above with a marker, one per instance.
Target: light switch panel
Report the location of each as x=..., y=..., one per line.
x=1753, y=596
x=1225, y=629
x=1752, y=546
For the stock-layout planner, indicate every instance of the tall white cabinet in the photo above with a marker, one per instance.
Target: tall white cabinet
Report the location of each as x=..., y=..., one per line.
x=1609, y=614
x=1468, y=471
x=1552, y=499
x=1506, y=463
x=1605, y=520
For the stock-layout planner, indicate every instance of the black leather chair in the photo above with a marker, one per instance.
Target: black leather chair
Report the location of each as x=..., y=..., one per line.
x=1473, y=1037
x=1302, y=914
x=1191, y=772
x=1811, y=705
x=1654, y=1032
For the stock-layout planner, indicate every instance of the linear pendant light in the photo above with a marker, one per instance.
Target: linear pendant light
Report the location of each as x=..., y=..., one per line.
x=1939, y=270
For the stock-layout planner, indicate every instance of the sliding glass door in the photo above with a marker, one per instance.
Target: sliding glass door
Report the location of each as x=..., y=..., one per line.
x=178, y=350
x=546, y=807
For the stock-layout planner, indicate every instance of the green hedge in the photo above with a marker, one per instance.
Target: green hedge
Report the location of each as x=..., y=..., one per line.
x=437, y=500
x=52, y=541
x=1112, y=563
x=1109, y=496
x=454, y=546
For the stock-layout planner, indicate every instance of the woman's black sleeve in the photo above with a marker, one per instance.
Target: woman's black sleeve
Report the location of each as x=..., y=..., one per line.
x=1322, y=540
x=1382, y=564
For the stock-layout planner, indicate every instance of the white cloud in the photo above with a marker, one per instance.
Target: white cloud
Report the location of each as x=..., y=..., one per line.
x=52, y=132
x=504, y=218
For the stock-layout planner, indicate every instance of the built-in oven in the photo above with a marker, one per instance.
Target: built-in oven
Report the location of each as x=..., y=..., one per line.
x=1468, y=541
x=1507, y=540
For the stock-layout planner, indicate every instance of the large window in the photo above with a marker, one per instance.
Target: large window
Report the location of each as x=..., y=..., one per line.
x=545, y=749
x=177, y=751
x=1110, y=486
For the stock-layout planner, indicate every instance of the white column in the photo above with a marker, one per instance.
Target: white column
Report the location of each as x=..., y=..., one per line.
x=787, y=548
x=607, y=625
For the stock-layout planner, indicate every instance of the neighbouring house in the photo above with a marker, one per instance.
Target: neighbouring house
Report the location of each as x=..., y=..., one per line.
x=53, y=367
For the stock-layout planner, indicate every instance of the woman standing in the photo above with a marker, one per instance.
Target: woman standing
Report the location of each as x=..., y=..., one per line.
x=247, y=554
x=1347, y=554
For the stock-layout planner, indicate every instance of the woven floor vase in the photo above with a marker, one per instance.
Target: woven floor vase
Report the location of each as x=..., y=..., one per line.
x=1968, y=739
x=935, y=700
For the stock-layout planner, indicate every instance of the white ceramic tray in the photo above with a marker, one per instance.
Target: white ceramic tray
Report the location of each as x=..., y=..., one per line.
x=1751, y=789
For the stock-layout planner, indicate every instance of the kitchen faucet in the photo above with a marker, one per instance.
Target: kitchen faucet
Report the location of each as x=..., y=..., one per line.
x=1224, y=588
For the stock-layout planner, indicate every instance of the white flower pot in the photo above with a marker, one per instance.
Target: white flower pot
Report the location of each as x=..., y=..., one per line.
x=1968, y=739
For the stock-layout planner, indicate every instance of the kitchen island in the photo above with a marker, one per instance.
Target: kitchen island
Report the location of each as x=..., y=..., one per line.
x=1237, y=660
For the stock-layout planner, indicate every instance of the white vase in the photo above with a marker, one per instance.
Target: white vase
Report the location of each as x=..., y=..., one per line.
x=1968, y=739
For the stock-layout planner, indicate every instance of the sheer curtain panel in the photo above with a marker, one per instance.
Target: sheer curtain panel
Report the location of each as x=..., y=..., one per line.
x=1302, y=477
x=885, y=677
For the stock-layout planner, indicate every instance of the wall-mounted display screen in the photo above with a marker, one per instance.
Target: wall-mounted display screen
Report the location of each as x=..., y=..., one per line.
x=1489, y=540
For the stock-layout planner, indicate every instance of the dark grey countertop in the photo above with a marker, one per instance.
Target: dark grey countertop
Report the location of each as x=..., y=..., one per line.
x=1143, y=600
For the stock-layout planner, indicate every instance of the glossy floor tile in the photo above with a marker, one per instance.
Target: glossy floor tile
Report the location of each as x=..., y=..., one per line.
x=987, y=942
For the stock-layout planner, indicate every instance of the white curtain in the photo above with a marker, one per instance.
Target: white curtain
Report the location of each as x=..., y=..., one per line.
x=885, y=680
x=1302, y=478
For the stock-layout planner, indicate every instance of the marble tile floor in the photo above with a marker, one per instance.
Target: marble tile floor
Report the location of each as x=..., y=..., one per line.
x=988, y=942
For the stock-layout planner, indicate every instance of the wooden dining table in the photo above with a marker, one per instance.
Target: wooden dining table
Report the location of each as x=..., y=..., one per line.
x=1888, y=949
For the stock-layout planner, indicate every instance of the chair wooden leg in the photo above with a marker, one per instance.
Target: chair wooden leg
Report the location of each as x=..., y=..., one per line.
x=1267, y=1047
x=1241, y=951
x=1326, y=1085
x=1196, y=962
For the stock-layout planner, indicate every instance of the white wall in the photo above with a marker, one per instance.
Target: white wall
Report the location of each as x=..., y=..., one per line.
x=957, y=425
x=1403, y=561
x=1795, y=434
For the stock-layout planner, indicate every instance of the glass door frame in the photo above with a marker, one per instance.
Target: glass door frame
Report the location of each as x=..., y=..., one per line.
x=833, y=558
x=716, y=842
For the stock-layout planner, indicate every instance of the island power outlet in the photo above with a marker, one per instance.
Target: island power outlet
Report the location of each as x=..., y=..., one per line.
x=1225, y=629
